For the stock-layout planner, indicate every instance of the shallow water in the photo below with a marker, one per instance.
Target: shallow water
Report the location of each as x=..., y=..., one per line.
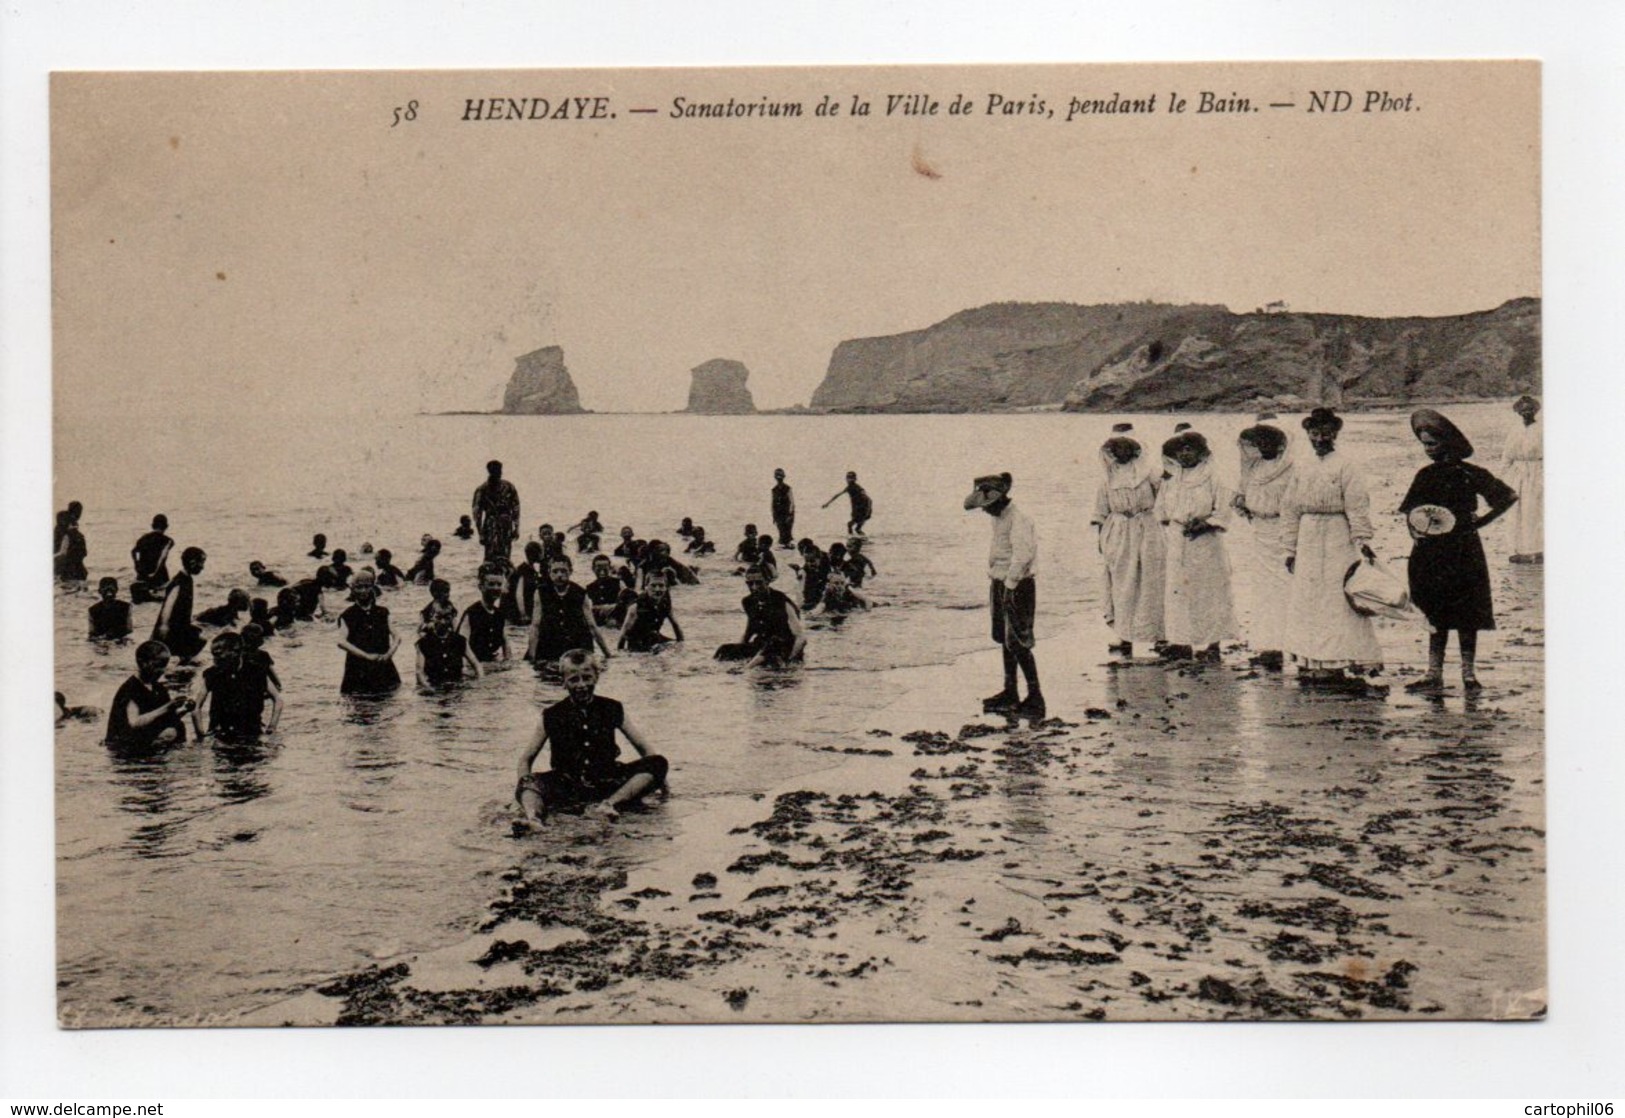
x=206, y=882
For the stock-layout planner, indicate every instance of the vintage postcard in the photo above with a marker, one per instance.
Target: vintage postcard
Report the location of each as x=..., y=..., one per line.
x=1021, y=543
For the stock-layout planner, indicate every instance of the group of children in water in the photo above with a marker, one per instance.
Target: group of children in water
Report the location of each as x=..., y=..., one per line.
x=239, y=695
x=1166, y=579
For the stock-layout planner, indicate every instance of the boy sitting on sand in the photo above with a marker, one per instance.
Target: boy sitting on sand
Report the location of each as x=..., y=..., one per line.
x=585, y=772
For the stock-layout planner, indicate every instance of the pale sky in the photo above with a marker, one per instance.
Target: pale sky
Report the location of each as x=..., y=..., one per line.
x=268, y=242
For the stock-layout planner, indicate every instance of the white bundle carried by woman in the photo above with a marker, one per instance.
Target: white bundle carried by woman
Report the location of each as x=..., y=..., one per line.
x=1374, y=591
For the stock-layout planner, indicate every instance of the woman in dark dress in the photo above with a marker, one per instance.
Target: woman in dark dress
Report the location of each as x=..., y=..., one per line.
x=368, y=641
x=1449, y=576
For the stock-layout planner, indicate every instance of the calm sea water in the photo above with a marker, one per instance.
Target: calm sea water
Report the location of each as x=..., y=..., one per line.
x=211, y=880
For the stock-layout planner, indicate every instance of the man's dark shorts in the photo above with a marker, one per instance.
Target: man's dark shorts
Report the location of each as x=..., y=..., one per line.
x=561, y=791
x=1013, y=612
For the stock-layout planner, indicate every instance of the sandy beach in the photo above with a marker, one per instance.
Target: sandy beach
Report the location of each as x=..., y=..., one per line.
x=1173, y=844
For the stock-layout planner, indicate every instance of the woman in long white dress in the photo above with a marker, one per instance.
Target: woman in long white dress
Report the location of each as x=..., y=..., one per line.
x=1266, y=471
x=1130, y=543
x=1522, y=456
x=1195, y=509
x=1326, y=512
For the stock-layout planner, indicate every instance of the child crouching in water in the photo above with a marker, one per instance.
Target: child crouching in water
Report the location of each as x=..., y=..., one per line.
x=586, y=772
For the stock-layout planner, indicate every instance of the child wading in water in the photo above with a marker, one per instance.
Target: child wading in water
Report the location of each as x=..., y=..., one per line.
x=586, y=771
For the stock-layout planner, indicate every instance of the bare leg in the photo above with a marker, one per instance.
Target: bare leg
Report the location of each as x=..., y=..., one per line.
x=635, y=788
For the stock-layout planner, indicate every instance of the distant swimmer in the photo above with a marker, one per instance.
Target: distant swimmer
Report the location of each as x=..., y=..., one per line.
x=64, y=517
x=496, y=513
x=368, y=642
x=254, y=654
x=259, y=613
x=609, y=594
x=225, y=616
x=264, y=576
x=773, y=634
x=421, y=572
x=482, y=623
x=109, y=617
x=390, y=576
x=286, y=612
x=71, y=549
x=862, y=507
x=591, y=532
x=335, y=574
x=66, y=713
x=318, y=547
x=783, y=505
x=523, y=583
x=745, y=552
x=623, y=550
x=840, y=598
x=309, y=598
x=144, y=714
x=150, y=558
x=439, y=598
x=698, y=544
x=552, y=542
x=1012, y=592
x=814, y=571
x=174, y=626
x=857, y=565
x=443, y=652
x=658, y=559
x=765, y=557
x=465, y=528
x=646, y=616
x=585, y=771
x=563, y=618
x=686, y=528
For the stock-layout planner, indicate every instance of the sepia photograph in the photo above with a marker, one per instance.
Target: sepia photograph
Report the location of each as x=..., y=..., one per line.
x=1040, y=543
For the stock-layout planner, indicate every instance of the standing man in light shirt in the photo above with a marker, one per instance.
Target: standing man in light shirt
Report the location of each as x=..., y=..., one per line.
x=1012, y=594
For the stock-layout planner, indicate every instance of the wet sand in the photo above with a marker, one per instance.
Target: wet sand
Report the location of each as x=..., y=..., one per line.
x=1171, y=844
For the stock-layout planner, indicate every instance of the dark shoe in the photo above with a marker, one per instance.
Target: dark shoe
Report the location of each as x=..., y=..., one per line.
x=1471, y=685
x=1003, y=701
x=1121, y=648
x=1031, y=707
x=1427, y=685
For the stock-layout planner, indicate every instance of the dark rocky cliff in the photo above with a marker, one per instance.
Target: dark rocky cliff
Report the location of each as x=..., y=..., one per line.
x=541, y=385
x=718, y=388
x=1150, y=356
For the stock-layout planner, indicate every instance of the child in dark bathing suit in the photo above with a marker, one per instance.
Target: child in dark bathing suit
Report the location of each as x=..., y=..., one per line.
x=522, y=585
x=585, y=769
x=591, y=532
x=109, y=618
x=698, y=544
x=265, y=577
x=443, y=652
x=423, y=570
x=773, y=635
x=318, y=546
x=465, y=528
x=439, y=598
x=609, y=594
x=563, y=618
x=174, y=627
x=644, y=617
x=143, y=713
x=482, y=623
x=150, y=557
x=686, y=528
x=389, y=575
x=336, y=574
x=746, y=551
x=226, y=616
